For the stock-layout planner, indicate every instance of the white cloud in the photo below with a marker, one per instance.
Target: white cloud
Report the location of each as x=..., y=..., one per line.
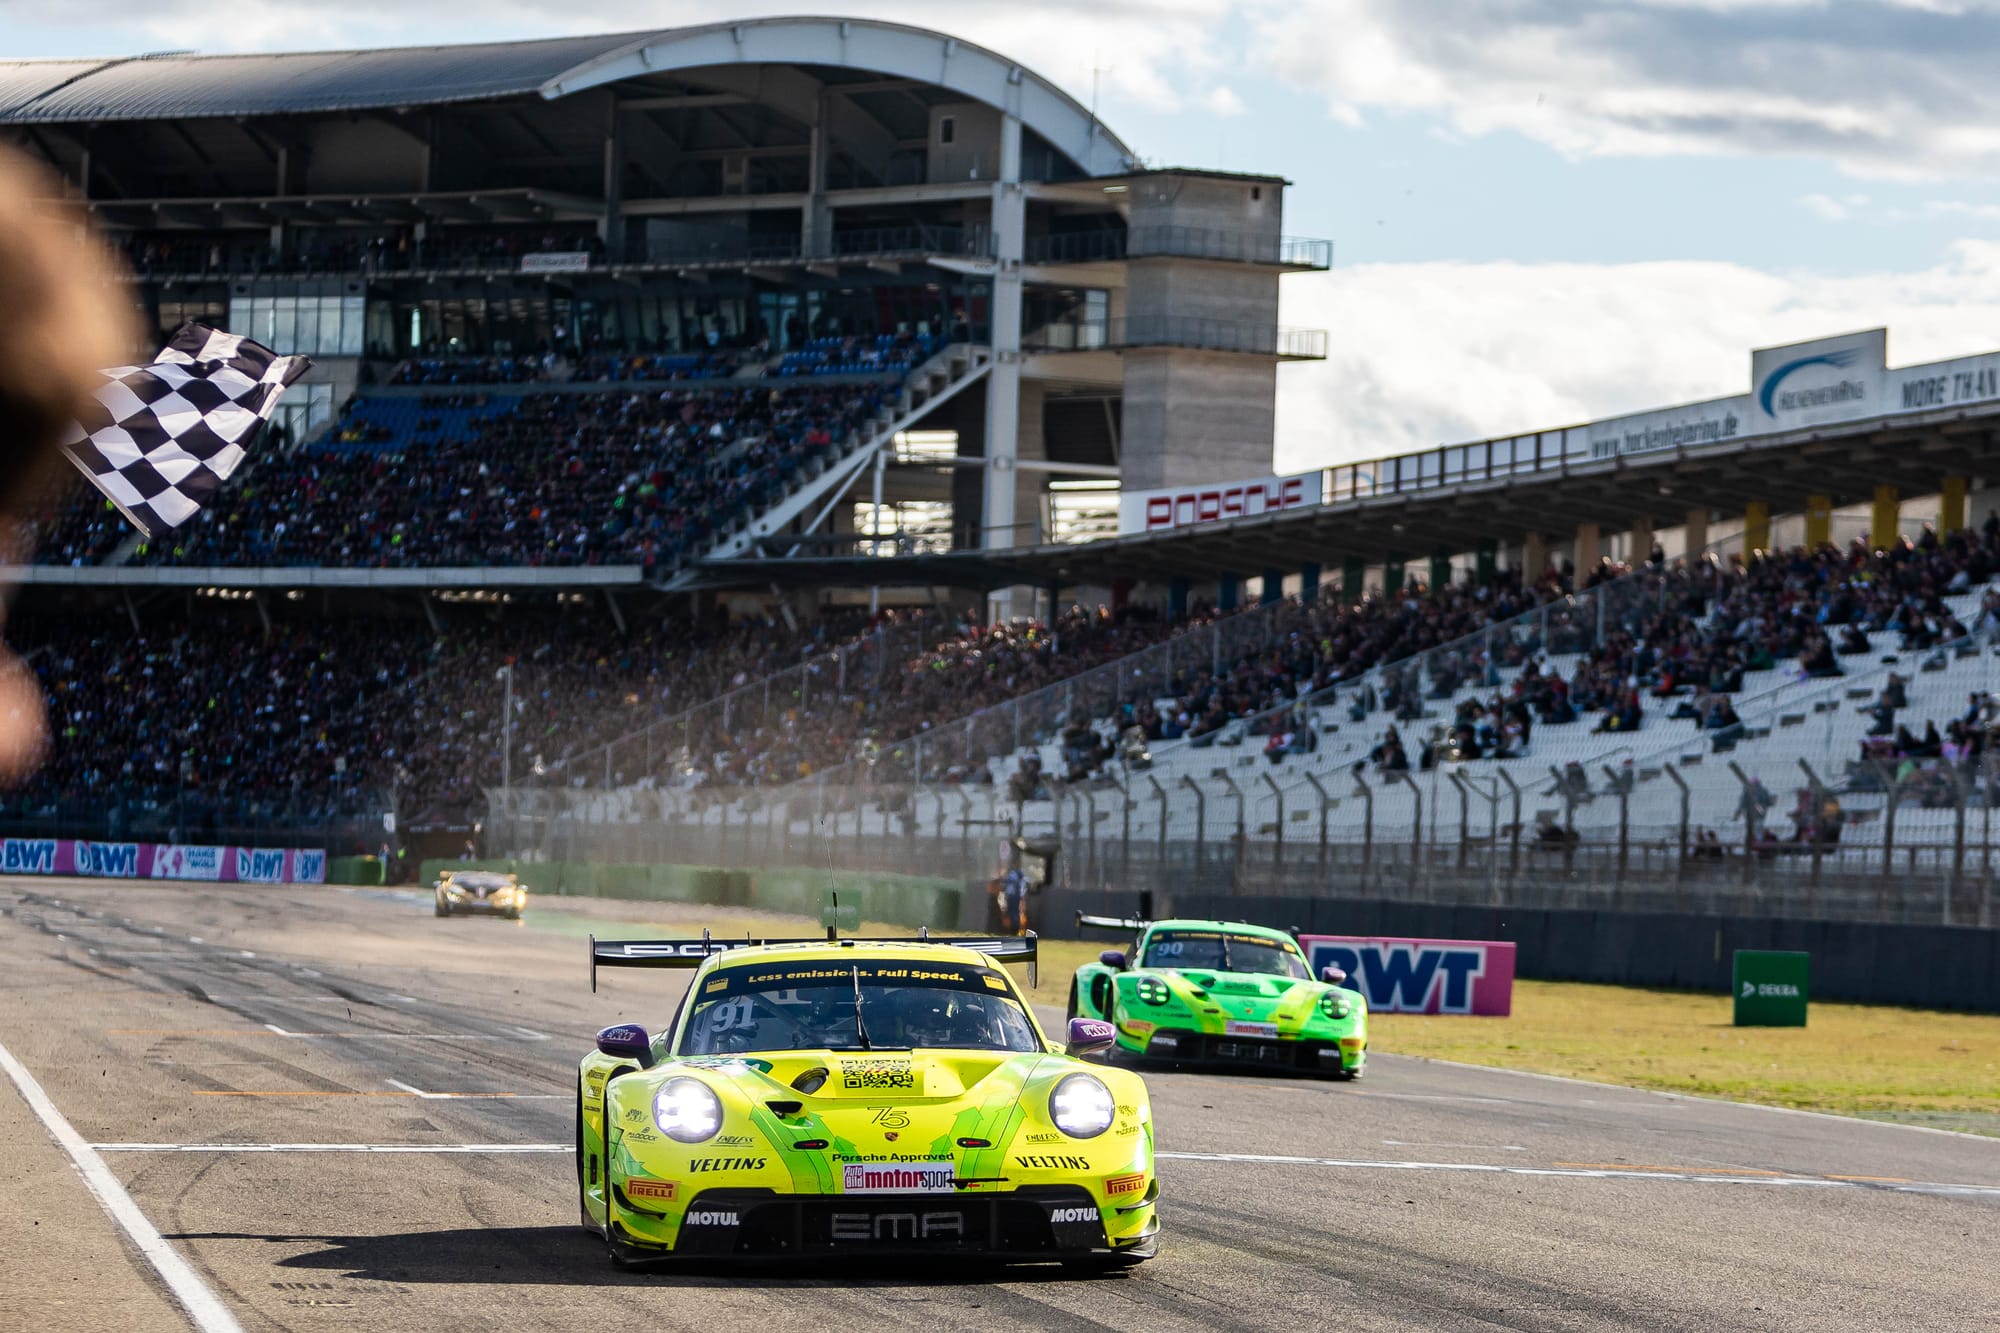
x=1221, y=101
x=1829, y=209
x=1436, y=353
x=1892, y=88
x=1960, y=208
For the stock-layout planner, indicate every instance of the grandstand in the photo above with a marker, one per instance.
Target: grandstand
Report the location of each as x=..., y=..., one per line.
x=697, y=465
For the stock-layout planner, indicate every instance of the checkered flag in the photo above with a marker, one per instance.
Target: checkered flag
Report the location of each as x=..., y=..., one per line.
x=160, y=439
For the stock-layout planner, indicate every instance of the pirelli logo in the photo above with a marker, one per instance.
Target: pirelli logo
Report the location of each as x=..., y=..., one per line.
x=663, y=1191
x=1131, y=1184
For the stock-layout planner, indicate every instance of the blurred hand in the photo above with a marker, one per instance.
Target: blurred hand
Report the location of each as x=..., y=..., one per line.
x=67, y=316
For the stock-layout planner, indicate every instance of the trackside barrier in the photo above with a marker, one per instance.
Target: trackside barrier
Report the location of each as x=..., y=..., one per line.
x=153, y=860
x=904, y=900
x=1407, y=976
x=1930, y=967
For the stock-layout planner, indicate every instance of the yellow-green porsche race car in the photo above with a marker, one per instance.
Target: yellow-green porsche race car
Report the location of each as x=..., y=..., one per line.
x=479, y=893
x=843, y=1097
x=1221, y=993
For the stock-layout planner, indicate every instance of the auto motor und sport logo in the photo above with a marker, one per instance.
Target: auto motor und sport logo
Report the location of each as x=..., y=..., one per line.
x=897, y=1177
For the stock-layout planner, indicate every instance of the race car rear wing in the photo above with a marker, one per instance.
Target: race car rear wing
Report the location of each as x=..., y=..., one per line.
x=1125, y=925
x=692, y=953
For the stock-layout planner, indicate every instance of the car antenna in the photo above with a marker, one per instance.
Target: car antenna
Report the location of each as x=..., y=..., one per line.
x=923, y=932
x=832, y=934
x=704, y=942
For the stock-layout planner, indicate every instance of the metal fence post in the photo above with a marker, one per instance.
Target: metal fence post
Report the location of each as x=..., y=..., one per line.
x=1367, y=827
x=1325, y=806
x=1200, y=821
x=1464, y=815
x=1278, y=800
x=1680, y=866
x=1160, y=859
x=1241, y=832
x=1818, y=797
x=1957, y=876
x=1753, y=822
x=1624, y=826
x=1092, y=876
x=1417, y=834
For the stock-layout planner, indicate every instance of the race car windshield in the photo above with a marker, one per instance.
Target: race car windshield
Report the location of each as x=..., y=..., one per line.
x=851, y=1006
x=1222, y=951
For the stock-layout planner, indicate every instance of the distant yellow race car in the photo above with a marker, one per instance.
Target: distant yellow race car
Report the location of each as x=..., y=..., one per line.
x=479, y=893
x=842, y=1097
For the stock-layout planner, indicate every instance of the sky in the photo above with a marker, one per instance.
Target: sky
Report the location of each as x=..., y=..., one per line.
x=1543, y=211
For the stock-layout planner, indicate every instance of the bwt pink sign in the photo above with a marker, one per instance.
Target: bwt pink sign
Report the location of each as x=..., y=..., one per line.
x=150, y=860
x=1405, y=976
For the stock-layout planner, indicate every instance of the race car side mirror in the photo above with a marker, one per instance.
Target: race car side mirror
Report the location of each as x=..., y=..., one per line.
x=1089, y=1035
x=1332, y=976
x=1113, y=958
x=626, y=1041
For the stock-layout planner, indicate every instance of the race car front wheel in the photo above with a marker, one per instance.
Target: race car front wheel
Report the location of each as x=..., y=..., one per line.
x=582, y=1181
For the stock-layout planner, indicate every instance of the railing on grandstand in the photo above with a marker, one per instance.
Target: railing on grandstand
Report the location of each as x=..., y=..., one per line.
x=1676, y=816
x=1248, y=247
x=1215, y=335
x=194, y=260
x=1902, y=855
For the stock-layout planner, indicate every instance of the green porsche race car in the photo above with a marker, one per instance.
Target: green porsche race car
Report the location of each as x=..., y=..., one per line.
x=842, y=1097
x=1221, y=993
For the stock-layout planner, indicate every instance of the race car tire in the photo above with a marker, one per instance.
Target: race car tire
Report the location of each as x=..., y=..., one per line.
x=441, y=909
x=582, y=1197
x=514, y=916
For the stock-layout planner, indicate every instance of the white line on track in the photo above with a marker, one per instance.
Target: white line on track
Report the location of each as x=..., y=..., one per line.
x=473, y=1096
x=335, y=1147
x=403, y=1036
x=1485, y=1168
x=204, y=1309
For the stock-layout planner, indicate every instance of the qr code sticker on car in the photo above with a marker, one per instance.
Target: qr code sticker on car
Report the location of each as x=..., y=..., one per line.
x=885, y=1076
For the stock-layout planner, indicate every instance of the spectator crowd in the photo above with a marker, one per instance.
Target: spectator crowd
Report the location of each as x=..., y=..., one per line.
x=304, y=705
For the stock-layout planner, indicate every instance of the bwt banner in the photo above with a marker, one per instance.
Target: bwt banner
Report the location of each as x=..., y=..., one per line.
x=1405, y=976
x=1214, y=502
x=151, y=860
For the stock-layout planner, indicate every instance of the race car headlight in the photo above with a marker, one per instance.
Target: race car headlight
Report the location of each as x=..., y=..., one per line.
x=686, y=1111
x=1082, y=1107
x=1153, y=990
x=1334, y=1005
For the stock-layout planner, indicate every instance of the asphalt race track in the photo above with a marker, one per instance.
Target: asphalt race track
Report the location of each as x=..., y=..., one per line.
x=345, y=1114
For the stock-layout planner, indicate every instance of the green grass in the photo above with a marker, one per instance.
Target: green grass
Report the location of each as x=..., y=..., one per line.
x=1853, y=1059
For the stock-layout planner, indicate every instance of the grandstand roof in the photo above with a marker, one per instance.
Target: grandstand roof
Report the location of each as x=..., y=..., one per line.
x=168, y=87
